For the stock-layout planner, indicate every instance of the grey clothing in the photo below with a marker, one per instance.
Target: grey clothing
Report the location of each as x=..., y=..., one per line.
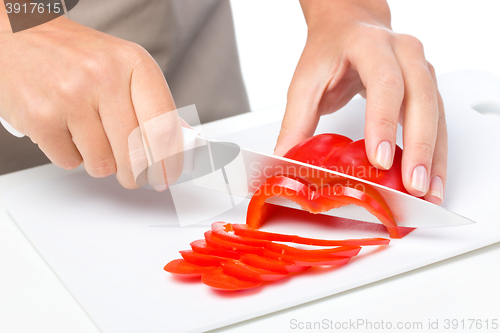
x=192, y=41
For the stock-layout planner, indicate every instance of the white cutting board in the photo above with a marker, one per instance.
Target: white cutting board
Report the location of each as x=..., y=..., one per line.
x=108, y=245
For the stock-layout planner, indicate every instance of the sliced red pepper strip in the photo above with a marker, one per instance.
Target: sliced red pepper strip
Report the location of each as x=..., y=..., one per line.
x=201, y=246
x=182, y=268
x=347, y=192
x=223, y=230
x=322, y=261
x=202, y=259
x=219, y=243
x=217, y=279
x=341, y=251
x=306, y=262
x=266, y=263
x=248, y=232
x=287, y=259
x=246, y=272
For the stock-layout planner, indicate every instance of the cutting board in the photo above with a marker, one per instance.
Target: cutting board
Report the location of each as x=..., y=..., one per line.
x=108, y=245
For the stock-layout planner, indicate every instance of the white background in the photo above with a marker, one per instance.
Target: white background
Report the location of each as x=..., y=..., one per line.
x=271, y=34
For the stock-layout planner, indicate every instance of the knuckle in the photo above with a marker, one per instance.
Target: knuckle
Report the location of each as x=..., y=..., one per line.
x=369, y=35
x=126, y=179
x=94, y=71
x=439, y=163
x=389, y=79
x=442, y=121
x=138, y=160
x=377, y=34
x=41, y=124
x=424, y=149
x=432, y=70
x=71, y=164
x=135, y=53
x=428, y=98
x=103, y=168
x=386, y=124
x=98, y=67
x=70, y=90
x=411, y=43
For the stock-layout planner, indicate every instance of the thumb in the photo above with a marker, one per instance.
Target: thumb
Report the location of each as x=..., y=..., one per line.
x=160, y=124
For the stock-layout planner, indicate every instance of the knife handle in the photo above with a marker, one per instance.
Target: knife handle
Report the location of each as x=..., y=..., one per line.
x=189, y=143
x=10, y=129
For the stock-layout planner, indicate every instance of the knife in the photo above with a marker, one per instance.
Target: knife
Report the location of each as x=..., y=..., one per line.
x=208, y=161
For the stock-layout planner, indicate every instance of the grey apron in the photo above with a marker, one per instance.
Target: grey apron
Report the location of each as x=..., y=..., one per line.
x=192, y=41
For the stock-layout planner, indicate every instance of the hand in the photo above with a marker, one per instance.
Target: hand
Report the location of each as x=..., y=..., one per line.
x=351, y=49
x=81, y=96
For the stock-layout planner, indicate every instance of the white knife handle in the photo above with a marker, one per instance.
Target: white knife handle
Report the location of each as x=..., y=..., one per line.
x=189, y=143
x=10, y=129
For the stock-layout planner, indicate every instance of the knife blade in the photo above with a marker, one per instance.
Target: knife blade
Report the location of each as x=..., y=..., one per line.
x=244, y=170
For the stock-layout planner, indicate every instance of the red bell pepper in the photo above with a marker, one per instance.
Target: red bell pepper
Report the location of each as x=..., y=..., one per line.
x=339, y=153
x=312, y=192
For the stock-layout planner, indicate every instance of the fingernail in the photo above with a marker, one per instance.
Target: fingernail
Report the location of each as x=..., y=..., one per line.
x=419, y=179
x=437, y=187
x=384, y=154
x=160, y=188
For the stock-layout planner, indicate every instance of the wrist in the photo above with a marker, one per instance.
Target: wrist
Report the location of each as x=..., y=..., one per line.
x=4, y=19
x=321, y=13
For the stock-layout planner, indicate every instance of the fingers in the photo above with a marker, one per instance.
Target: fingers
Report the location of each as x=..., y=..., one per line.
x=164, y=138
x=57, y=144
x=421, y=115
x=301, y=117
x=440, y=159
x=138, y=158
x=382, y=77
x=90, y=138
x=155, y=111
x=122, y=128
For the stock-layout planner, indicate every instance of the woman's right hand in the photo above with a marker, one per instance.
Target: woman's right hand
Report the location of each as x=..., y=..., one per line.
x=81, y=95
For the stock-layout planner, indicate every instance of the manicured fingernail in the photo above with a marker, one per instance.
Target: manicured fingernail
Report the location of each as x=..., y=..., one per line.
x=437, y=187
x=419, y=179
x=160, y=188
x=384, y=154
